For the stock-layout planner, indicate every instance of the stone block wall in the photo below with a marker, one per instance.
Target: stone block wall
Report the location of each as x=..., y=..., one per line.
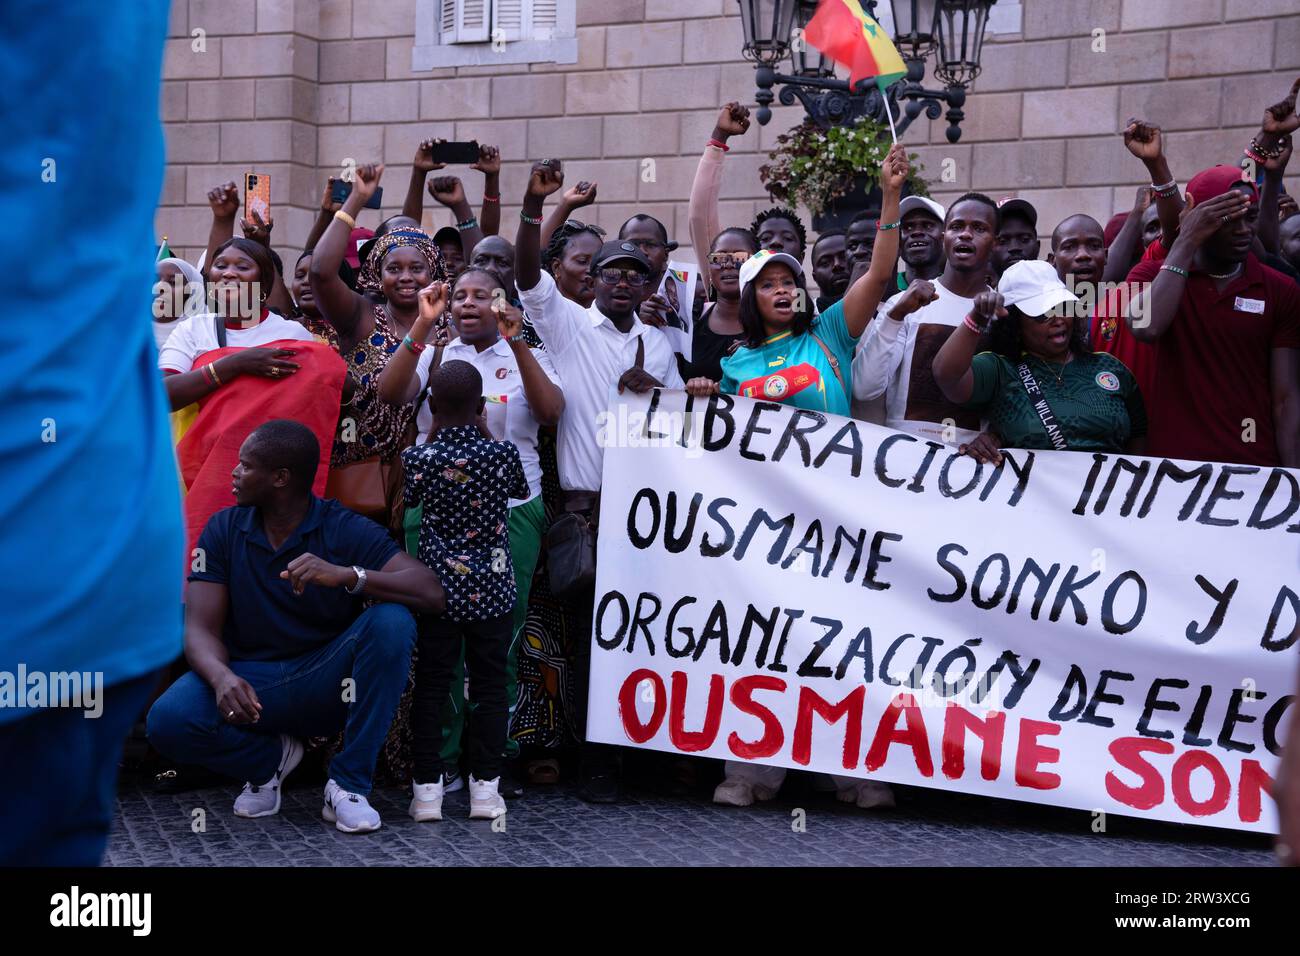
x=293, y=88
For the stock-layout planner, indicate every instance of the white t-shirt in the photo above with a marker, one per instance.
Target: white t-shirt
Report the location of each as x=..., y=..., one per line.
x=509, y=416
x=196, y=335
x=162, y=331
x=895, y=359
x=591, y=355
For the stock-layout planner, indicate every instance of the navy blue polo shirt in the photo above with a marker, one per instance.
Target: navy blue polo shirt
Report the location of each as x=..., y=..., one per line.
x=265, y=620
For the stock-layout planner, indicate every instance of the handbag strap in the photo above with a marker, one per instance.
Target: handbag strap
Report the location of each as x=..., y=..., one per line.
x=1044, y=410
x=835, y=363
x=219, y=324
x=426, y=393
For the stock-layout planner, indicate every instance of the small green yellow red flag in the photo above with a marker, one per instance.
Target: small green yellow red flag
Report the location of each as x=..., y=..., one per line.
x=842, y=30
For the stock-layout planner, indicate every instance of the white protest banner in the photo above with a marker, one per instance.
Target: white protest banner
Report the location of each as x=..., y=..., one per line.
x=1110, y=633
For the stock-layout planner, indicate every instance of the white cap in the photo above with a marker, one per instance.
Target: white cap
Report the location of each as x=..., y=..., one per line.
x=921, y=202
x=1033, y=286
x=760, y=260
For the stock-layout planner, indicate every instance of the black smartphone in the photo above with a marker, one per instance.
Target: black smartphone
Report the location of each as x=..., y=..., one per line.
x=456, y=154
x=341, y=189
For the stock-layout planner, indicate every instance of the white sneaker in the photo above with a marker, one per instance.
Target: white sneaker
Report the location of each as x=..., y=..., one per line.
x=868, y=795
x=264, y=800
x=426, y=800
x=350, y=812
x=734, y=792
x=485, y=802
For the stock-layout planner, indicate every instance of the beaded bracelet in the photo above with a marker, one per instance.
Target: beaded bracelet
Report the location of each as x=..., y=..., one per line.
x=720, y=144
x=1165, y=189
x=1273, y=153
x=531, y=220
x=487, y=198
x=412, y=345
x=1175, y=270
x=971, y=324
x=892, y=225
x=470, y=223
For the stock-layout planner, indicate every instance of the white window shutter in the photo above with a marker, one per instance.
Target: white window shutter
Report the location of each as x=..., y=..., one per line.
x=508, y=20
x=545, y=17
x=524, y=19
x=464, y=21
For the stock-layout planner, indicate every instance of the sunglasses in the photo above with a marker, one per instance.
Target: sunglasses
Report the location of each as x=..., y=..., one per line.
x=1068, y=309
x=727, y=259
x=574, y=226
x=631, y=276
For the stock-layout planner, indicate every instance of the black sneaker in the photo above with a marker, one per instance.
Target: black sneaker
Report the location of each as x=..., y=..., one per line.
x=600, y=784
x=452, y=781
x=511, y=787
x=182, y=779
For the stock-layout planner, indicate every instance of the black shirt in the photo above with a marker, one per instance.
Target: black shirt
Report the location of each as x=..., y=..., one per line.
x=708, y=349
x=1281, y=265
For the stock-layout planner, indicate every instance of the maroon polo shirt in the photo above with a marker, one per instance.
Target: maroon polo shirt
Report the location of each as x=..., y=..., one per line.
x=1213, y=366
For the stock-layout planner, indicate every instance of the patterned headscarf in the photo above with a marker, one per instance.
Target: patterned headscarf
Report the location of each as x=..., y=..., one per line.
x=369, y=281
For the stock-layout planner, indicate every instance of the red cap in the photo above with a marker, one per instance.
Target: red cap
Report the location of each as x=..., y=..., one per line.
x=1113, y=227
x=1216, y=181
x=359, y=235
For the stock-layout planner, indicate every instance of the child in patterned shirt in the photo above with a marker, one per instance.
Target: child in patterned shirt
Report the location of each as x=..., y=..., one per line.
x=464, y=481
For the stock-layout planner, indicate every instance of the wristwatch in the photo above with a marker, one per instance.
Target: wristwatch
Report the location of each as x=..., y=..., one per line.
x=360, y=586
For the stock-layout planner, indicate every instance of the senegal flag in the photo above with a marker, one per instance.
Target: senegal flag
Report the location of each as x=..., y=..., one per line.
x=842, y=31
x=207, y=443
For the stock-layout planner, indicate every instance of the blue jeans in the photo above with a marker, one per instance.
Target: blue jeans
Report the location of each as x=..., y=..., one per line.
x=61, y=778
x=304, y=697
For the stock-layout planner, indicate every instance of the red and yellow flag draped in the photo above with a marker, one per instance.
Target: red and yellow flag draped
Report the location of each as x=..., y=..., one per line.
x=207, y=444
x=844, y=32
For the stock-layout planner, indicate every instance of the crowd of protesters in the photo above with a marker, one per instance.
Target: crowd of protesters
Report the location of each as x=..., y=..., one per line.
x=407, y=427
x=417, y=512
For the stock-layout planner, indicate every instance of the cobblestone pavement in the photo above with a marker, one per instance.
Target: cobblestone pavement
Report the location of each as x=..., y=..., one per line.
x=551, y=826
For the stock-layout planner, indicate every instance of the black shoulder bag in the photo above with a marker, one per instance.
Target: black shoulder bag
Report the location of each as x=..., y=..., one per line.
x=571, y=540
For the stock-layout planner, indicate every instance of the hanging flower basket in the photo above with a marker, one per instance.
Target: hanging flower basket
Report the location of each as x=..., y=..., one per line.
x=833, y=173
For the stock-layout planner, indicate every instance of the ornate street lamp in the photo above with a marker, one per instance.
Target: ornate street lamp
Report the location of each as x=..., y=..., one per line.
x=914, y=27
x=807, y=60
x=951, y=30
x=767, y=25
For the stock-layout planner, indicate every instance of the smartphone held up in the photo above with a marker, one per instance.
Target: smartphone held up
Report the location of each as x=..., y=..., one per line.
x=341, y=189
x=257, y=195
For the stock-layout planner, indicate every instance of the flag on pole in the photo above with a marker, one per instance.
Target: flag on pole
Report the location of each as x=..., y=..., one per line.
x=842, y=30
x=164, y=251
